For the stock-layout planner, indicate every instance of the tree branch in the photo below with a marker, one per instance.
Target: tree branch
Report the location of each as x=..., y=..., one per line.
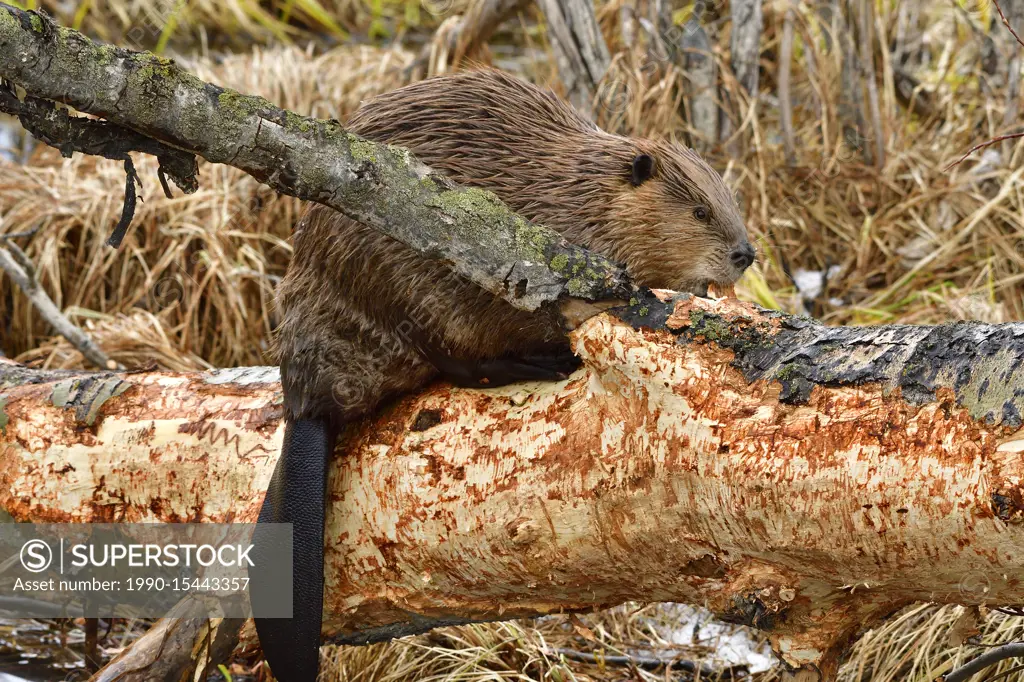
x=54, y=126
x=381, y=186
x=20, y=269
x=802, y=479
x=175, y=649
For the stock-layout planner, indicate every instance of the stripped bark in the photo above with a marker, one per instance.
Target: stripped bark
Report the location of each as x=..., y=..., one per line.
x=580, y=50
x=802, y=479
x=381, y=186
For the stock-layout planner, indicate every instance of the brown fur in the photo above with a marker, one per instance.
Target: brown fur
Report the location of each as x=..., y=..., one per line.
x=360, y=308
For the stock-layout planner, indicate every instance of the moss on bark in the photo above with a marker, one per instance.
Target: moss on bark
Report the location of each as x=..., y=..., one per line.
x=384, y=187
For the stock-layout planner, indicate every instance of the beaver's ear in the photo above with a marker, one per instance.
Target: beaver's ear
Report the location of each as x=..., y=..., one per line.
x=642, y=169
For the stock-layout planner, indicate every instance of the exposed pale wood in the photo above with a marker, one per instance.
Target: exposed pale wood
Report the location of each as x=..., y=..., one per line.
x=802, y=479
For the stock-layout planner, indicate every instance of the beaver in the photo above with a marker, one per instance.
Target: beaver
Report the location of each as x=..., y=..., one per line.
x=365, y=318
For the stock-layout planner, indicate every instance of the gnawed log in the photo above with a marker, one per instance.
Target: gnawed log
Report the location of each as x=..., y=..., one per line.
x=802, y=479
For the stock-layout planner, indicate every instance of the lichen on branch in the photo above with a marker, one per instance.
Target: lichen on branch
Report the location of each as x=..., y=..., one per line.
x=381, y=186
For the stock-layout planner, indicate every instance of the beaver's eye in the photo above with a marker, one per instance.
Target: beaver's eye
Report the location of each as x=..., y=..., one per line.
x=702, y=214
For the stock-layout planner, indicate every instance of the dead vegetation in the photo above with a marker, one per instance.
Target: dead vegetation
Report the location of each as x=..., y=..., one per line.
x=839, y=237
x=915, y=645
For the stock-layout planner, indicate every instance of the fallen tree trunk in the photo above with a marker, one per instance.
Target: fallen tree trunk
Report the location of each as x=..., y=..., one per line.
x=802, y=479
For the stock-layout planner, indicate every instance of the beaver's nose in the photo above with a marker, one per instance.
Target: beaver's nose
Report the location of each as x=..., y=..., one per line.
x=742, y=256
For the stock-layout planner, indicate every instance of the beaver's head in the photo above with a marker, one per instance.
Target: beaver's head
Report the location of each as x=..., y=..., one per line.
x=674, y=221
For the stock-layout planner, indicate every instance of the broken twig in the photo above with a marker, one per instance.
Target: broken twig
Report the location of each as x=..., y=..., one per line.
x=20, y=269
x=68, y=134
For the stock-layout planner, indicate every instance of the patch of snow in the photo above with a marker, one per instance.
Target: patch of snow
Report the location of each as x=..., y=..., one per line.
x=991, y=159
x=811, y=282
x=733, y=644
x=9, y=151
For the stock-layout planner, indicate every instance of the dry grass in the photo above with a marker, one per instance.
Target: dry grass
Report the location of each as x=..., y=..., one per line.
x=202, y=267
x=158, y=24
x=911, y=242
x=914, y=646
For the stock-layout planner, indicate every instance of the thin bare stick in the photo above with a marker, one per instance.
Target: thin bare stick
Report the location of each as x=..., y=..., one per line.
x=1007, y=23
x=19, y=268
x=994, y=140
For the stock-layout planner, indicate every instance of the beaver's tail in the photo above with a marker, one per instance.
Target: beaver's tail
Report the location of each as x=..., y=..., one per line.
x=297, y=496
